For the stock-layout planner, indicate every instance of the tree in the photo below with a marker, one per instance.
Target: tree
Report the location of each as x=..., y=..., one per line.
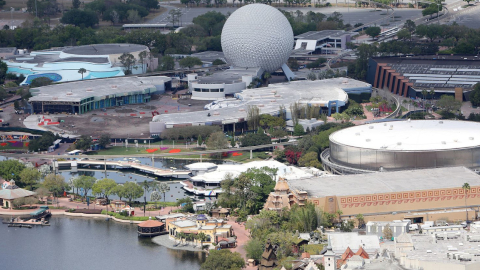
x=361, y=220
x=86, y=182
x=186, y=205
x=155, y=197
x=163, y=188
x=80, y=18
x=11, y=169
x=189, y=62
x=475, y=95
x=410, y=26
x=84, y=143
x=217, y=140
x=404, y=34
x=223, y=259
x=448, y=103
x=387, y=232
x=40, y=81
x=18, y=202
x=267, y=76
x=128, y=61
x=252, y=139
x=311, y=76
x=347, y=225
x=253, y=117
x=104, y=140
x=132, y=191
x=146, y=187
x=466, y=187
x=202, y=237
x=29, y=177
x=42, y=193
x=76, y=4
x=373, y=31
x=218, y=62
x=142, y=57
x=168, y=63
x=133, y=16
x=254, y=249
x=310, y=160
x=104, y=187
x=81, y=71
x=55, y=184
x=30, y=200
x=298, y=130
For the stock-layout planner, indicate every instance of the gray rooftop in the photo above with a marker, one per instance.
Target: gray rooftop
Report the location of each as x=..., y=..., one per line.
x=210, y=56
x=104, y=49
x=319, y=35
x=384, y=182
x=268, y=99
x=8, y=50
x=227, y=76
x=76, y=91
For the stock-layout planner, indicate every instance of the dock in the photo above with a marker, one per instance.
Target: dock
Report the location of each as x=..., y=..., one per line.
x=121, y=165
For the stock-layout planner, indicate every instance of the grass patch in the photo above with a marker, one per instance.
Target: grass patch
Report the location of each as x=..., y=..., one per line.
x=117, y=215
x=313, y=249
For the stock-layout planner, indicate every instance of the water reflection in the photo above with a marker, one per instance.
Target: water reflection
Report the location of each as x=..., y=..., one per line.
x=81, y=243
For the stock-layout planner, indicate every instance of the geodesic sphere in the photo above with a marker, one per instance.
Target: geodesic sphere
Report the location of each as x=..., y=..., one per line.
x=257, y=35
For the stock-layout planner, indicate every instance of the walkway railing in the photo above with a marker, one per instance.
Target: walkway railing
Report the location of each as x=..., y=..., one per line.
x=336, y=168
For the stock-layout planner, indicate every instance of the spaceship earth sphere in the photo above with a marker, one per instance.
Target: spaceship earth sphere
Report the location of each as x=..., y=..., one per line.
x=257, y=35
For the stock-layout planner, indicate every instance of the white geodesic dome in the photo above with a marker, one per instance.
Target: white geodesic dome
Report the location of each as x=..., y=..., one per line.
x=257, y=35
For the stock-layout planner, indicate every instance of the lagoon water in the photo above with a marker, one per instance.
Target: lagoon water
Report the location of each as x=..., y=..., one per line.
x=82, y=243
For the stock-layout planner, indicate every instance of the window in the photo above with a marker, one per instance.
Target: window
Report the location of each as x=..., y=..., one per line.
x=197, y=90
x=221, y=89
x=215, y=90
x=205, y=90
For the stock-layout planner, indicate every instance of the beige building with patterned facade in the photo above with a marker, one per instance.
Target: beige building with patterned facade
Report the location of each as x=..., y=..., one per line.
x=419, y=195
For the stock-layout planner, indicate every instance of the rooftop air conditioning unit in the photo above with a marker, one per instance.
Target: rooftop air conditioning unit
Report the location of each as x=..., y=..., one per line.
x=471, y=138
x=368, y=140
x=399, y=143
x=370, y=127
x=441, y=122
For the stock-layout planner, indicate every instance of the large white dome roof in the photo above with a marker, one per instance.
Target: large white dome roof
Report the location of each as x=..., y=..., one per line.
x=257, y=35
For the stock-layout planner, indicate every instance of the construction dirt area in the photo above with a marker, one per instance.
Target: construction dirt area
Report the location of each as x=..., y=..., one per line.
x=128, y=121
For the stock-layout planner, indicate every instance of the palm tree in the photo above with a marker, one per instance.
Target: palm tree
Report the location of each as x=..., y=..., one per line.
x=424, y=94
x=202, y=238
x=163, y=188
x=466, y=187
x=146, y=187
x=81, y=71
x=267, y=76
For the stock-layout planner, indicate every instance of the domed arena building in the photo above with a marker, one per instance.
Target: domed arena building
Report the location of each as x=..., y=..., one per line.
x=403, y=145
x=256, y=38
x=63, y=64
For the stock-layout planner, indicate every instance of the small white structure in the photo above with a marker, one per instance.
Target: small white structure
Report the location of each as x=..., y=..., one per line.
x=341, y=241
x=397, y=226
x=435, y=230
x=305, y=123
x=329, y=260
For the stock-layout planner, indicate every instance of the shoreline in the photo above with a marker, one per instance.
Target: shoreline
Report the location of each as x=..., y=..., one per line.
x=63, y=213
x=164, y=240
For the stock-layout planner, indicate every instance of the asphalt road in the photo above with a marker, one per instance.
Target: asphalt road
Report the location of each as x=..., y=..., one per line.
x=350, y=15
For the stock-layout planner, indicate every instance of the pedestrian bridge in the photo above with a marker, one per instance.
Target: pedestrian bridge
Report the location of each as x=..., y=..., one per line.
x=119, y=165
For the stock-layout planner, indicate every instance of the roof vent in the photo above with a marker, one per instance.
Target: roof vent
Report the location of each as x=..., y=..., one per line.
x=358, y=133
x=391, y=127
x=440, y=122
x=471, y=138
x=444, y=142
x=368, y=140
x=69, y=93
x=216, y=113
x=384, y=124
x=455, y=140
x=370, y=127
x=89, y=90
x=113, y=86
x=399, y=143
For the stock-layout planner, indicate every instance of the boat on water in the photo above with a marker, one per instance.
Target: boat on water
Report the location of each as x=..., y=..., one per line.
x=37, y=217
